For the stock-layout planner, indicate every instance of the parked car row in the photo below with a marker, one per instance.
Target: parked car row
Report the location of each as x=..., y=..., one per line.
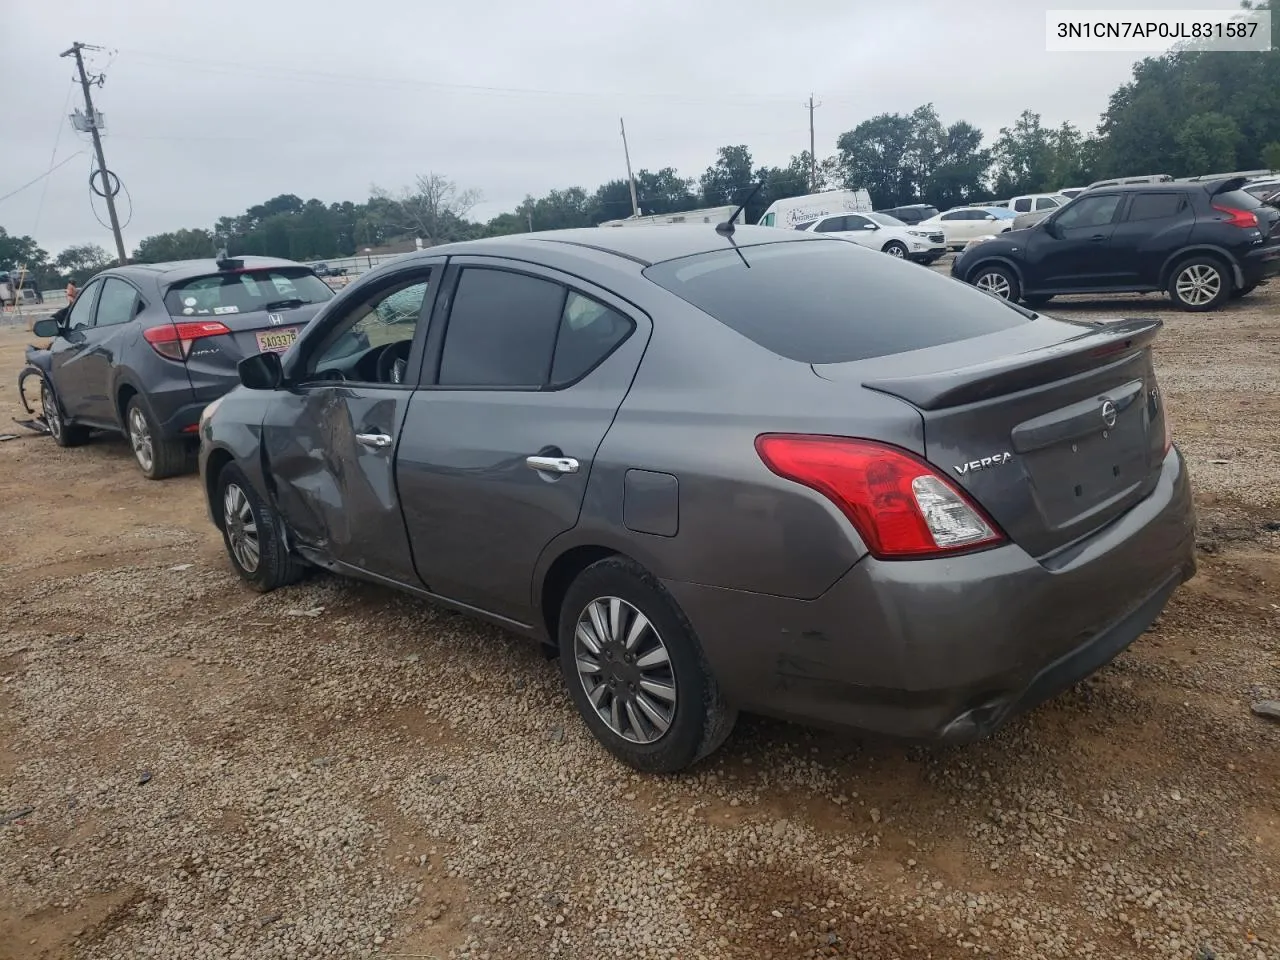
x=710, y=469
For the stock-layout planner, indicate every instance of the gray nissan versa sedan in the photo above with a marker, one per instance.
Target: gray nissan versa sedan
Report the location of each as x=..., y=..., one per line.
x=767, y=471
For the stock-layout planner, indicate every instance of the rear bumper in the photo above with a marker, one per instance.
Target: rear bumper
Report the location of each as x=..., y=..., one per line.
x=948, y=649
x=1261, y=264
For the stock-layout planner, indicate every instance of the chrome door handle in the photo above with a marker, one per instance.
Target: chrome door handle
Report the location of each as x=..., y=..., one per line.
x=552, y=464
x=378, y=440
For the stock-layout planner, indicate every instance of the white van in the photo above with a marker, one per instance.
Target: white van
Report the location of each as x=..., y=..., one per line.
x=794, y=212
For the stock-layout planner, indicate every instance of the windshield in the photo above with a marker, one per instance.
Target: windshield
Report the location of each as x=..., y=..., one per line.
x=885, y=220
x=245, y=291
x=827, y=301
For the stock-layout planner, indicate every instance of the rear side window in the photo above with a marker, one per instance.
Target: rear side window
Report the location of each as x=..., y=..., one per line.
x=116, y=304
x=1022, y=205
x=826, y=302
x=805, y=225
x=832, y=225
x=512, y=330
x=1155, y=206
x=245, y=291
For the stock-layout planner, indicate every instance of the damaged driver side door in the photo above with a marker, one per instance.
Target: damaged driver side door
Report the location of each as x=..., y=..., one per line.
x=330, y=435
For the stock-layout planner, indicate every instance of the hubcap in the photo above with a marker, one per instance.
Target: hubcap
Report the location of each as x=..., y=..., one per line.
x=1198, y=284
x=140, y=438
x=994, y=283
x=241, y=528
x=49, y=407
x=625, y=670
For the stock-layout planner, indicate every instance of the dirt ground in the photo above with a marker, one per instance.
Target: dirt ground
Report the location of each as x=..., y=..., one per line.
x=191, y=770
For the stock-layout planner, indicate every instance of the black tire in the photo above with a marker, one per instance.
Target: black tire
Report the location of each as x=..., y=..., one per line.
x=895, y=248
x=997, y=280
x=1037, y=300
x=1199, y=284
x=1244, y=291
x=275, y=566
x=700, y=719
x=64, y=434
x=156, y=458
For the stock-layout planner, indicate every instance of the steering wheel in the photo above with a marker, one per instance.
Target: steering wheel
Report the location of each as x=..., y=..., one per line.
x=393, y=361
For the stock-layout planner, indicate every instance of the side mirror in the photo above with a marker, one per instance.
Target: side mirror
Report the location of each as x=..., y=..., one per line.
x=989, y=216
x=46, y=327
x=264, y=371
x=1049, y=227
x=871, y=226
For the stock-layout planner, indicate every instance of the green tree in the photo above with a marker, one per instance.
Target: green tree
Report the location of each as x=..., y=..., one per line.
x=729, y=179
x=178, y=245
x=870, y=157
x=1271, y=156
x=80, y=262
x=20, y=251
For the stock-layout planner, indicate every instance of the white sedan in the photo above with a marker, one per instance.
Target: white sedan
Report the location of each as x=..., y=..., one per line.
x=879, y=231
x=962, y=224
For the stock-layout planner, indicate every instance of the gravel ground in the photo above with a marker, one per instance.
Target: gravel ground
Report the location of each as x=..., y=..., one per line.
x=190, y=770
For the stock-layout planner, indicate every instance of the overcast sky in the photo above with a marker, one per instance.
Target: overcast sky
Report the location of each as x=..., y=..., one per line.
x=215, y=105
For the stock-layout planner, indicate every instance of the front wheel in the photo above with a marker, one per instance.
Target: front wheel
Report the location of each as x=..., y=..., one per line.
x=251, y=533
x=895, y=248
x=64, y=434
x=999, y=281
x=635, y=670
x=1199, y=284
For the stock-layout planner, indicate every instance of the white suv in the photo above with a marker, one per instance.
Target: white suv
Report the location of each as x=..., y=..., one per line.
x=879, y=231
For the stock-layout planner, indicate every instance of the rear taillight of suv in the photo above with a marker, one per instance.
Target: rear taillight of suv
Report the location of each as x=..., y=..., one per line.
x=901, y=506
x=1238, y=218
x=173, y=340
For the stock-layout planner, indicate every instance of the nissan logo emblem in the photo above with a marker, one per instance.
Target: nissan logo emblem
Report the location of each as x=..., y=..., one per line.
x=1108, y=413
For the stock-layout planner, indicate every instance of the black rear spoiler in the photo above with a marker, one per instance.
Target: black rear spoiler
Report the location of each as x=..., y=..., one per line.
x=1020, y=371
x=1226, y=186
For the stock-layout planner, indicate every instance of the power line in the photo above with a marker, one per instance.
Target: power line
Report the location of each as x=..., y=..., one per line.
x=42, y=176
x=57, y=140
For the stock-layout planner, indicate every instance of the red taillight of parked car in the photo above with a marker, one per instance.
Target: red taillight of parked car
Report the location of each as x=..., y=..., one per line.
x=1238, y=218
x=173, y=340
x=901, y=506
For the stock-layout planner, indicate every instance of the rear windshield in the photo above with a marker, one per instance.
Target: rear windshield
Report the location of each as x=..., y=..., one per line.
x=244, y=291
x=830, y=301
x=1238, y=199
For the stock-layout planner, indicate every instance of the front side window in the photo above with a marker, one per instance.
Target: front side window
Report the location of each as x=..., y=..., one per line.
x=853, y=222
x=1089, y=212
x=767, y=220
x=1046, y=203
x=371, y=344
x=80, y=316
x=117, y=303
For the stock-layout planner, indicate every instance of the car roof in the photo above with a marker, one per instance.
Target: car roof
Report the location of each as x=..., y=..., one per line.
x=1208, y=186
x=175, y=271
x=645, y=245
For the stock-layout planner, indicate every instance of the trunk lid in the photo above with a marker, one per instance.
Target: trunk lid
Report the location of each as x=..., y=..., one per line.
x=1053, y=430
x=253, y=332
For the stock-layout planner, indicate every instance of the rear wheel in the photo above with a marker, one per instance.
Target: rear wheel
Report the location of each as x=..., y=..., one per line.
x=251, y=531
x=635, y=670
x=157, y=458
x=895, y=248
x=64, y=434
x=1199, y=284
x=997, y=280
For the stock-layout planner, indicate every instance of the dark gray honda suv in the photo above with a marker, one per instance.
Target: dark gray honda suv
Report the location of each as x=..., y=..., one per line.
x=767, y=471
x=144, y=347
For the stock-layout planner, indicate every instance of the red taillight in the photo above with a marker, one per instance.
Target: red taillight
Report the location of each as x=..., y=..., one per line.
x=173, y=340
x=1238, y=218
x=901, y=506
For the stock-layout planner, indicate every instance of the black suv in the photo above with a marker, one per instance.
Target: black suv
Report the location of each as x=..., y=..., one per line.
x=1201, y=242
x=911, y=213
x=144, y=348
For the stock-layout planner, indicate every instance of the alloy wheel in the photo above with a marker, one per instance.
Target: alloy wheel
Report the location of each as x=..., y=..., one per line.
x=241, y=528
x=1198, y=284
x=895, y=250
x=994, y=283
x=49, y=407
x=625, y=669
x=140, y=439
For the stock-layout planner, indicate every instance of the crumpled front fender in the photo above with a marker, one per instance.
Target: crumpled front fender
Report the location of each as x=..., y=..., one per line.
x=39, y=362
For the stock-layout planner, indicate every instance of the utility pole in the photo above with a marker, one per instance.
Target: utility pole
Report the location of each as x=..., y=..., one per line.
x=92, y=120
x=813, y=157
x=631, y=181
